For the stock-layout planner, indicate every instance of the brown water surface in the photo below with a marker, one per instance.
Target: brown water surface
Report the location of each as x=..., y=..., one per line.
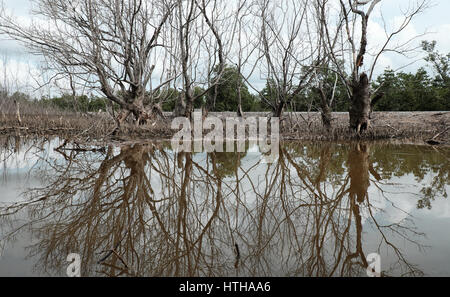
x=318, y=210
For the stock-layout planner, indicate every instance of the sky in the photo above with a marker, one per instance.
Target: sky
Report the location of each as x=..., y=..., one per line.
x=434, y=20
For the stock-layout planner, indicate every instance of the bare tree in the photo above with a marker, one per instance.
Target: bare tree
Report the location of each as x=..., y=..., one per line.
x=203, y=43
x=247, y=46
x=356, y=15
x=185, y=18
x=288, y=49
x=327, y=42
x=108, y=45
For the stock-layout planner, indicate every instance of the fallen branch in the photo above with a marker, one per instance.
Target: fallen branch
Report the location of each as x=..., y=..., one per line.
x=433, y=140
x=440, y=133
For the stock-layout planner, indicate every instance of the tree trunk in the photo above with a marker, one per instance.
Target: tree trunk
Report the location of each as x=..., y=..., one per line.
x=325, y=110
x=19, y=120
x=188, y=100
x=180, y=107
x=279, y=109
x=326, y=117
x=189, y=107
x=360, y=105
x=157, y=111
x=240, y=113
x=141, y=115
x=239, y=108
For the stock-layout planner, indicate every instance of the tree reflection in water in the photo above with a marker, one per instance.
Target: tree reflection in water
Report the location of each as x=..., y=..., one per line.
x=143, y=210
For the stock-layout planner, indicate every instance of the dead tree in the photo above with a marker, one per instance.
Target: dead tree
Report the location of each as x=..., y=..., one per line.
x=287, y=49
x=202, y=44
x=355, y=20
x=19, y=120
x=110, y=46
x=325, y=106
x=186, y=16
x=327, y=42
x=360, y=102
x=246, y=46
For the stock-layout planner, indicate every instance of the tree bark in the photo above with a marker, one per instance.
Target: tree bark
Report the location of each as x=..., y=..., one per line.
x=326, y=117
x=279, y=109
x=189, y=96
x=240, y=113
x=325, y=110
x=157, y=111
x=360, y=105
x=141, y=115
x=180, y=107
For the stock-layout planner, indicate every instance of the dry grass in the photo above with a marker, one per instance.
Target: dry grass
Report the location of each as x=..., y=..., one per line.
x=41, y=121
x=415, y=126
x=412, y=126
x=36, y=120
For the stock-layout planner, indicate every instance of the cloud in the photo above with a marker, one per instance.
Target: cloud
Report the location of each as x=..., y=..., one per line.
x=440, y=34
x=433, y=20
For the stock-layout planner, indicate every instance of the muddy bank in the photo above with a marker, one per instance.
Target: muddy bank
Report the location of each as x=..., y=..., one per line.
x=410, y=126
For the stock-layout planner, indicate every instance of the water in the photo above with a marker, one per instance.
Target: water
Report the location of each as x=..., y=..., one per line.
x=318, y=210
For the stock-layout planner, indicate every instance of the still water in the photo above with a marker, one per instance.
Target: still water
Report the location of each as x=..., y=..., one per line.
x=142, y=210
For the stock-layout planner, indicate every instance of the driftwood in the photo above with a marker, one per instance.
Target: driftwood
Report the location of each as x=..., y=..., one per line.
x=433, y=140
x=63, y=147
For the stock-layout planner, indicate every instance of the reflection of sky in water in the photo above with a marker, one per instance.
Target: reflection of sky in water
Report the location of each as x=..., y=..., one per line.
x=396, y=203
x=434, y=259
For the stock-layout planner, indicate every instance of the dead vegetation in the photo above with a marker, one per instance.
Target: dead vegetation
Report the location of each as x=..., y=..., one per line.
x=33, y=119
x=415, y=126
x=28, y=118
x=430, y=127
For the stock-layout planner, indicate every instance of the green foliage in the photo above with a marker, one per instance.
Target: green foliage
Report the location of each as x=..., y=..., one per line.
x=227, y=93
x=20, y=97
x=271, y=93
x=171, y=96
x=440, y=63
x=329, y=79
x=418, y=91
x=411, y=92
x=425, y=164
x=79, y=103
x=308, y=99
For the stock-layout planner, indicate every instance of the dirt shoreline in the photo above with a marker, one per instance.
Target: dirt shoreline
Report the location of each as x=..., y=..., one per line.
x=413, y=127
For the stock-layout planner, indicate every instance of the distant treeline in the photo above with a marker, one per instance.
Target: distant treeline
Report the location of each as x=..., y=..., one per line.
x=83, y=103
x=402, y=92
x=412, y=92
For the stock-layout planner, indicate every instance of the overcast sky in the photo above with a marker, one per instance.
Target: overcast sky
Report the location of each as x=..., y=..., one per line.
x=435, y=20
